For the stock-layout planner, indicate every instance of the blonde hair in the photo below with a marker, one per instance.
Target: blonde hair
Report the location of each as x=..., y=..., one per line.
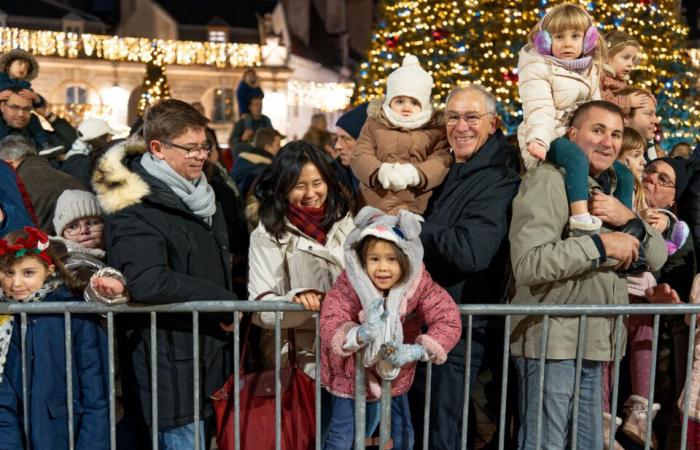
x=631, y=141
x=569, y=16
x=617, y=41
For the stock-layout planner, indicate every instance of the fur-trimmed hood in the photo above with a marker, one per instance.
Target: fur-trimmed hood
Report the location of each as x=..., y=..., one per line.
x=118, y=187
x=18, y=53
x=374, y=111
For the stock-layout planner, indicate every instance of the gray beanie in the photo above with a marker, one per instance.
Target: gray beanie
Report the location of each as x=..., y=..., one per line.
x=74, y=204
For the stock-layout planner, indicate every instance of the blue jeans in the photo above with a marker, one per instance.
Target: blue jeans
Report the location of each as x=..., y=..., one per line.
x=341, y=430
x=180, y=438
x=558, y=403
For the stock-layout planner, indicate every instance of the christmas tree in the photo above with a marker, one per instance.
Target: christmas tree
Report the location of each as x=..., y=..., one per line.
x=434, y=31
x=155, y=83
x=482, y=40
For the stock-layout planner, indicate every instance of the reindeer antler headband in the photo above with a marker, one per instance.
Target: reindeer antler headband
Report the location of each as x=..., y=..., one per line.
x=36, y=244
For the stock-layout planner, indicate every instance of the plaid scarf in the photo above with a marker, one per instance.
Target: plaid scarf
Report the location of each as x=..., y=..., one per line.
x=309, y=221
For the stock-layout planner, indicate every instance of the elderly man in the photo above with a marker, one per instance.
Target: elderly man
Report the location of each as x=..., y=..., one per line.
x=553, y=268
x=16, y=114
x=168, y=236
x=465, y=240
x=348, y=127
x=44, y=184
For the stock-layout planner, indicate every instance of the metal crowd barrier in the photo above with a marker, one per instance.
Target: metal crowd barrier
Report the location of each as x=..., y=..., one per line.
x=508, y=311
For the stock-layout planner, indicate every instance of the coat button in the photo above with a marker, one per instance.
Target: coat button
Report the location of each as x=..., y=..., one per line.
x=310, y=247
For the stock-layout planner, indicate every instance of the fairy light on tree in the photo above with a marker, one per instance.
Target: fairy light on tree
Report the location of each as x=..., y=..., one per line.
x=155, y=83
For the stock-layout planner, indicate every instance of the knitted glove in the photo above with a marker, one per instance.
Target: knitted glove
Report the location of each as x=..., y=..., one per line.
x=405, y=175
x=402, y=354
x=376, y=319
x=384, y=173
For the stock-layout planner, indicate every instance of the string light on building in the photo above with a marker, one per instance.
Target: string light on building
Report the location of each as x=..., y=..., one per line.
x=116, y=48
x=322, y=96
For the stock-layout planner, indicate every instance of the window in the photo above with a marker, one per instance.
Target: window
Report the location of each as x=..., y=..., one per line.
x=73, y=26
x=218, y=36
x=223, y=105
x=76, y=95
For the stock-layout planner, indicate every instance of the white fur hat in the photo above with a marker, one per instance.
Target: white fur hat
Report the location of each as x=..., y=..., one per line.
x=410, y=80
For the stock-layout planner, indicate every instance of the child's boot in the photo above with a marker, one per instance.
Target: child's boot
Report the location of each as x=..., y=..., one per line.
x=580, y=228
x=635, y=426
x=607, y=428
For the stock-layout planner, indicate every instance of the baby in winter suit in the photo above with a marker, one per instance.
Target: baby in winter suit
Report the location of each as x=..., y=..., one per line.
x=17, y=68
x=402, y=153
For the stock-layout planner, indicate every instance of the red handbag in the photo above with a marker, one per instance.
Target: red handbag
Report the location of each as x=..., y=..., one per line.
x=257, y=401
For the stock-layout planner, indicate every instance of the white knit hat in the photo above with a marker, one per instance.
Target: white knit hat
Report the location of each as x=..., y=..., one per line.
x=74, y=204
x=410, y=80
x=93, y=127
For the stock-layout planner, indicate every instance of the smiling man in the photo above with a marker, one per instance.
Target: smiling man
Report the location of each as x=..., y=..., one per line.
x=167, y=235
x=466, y=246
x=551, y=267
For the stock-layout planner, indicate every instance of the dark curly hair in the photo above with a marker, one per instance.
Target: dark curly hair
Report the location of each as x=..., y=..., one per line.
x=280, y=177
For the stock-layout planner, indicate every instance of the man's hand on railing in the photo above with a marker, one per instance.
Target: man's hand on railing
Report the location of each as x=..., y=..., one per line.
x=622, y=247
x=310, y=300
x=373, y=327
x=662, y=293
x=402, y=354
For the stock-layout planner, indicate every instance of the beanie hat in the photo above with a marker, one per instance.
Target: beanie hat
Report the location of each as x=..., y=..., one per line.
x=684, y=170
x=74, y=204
x=353, y=120
x=93, y=128
x=410, y=80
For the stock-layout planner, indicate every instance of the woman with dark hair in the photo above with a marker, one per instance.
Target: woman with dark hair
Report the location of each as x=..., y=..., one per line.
x=296, y=252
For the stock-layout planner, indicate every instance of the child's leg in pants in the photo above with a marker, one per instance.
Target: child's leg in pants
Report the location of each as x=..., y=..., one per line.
x=640, y=337
x=625, y=184
x=401, y=427
x=341, y=429
x=568, y=155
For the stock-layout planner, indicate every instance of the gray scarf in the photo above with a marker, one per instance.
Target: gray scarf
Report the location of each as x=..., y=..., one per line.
x=197, y=194
x=6, y=321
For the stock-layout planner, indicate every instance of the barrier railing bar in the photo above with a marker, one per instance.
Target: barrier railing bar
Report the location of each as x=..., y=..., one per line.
x=317, y=350
x=688, y=372
x=616, y=380
x=467, y=380
x=580, y=350
x=195, y=356
x=360, y=402
x=278, y=384
x=540, y=391
x=69, y=378
x=504, y=384
x=652, y=380
x=154, y=383
x=25, y=395
x=426, y=407
x=385, y=422
x=237, y=378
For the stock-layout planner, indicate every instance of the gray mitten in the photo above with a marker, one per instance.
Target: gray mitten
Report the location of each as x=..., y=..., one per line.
x=376, y=319
x=402, y=354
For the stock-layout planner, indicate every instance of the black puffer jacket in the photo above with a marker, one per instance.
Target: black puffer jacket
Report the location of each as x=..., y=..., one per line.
x=465, y=234
x=168, y=255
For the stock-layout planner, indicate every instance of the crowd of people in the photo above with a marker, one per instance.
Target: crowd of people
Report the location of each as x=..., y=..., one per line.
x=381, y=229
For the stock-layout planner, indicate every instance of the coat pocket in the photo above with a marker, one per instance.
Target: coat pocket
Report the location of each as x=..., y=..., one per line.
x=57, y=408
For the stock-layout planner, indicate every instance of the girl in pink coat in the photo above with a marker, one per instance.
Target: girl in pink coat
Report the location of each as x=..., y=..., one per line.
x=375, y=311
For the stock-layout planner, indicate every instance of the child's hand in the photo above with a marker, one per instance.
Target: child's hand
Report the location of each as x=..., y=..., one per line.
x=29, y=95
x=404, y=175
x=385, y=174
x=310, y=300
x=537, y=150
x=108, y=286
x=658, y=221
x=401, y=354
x=376, y=319
x=638, y=100
x=5, y=95
x=663, y=293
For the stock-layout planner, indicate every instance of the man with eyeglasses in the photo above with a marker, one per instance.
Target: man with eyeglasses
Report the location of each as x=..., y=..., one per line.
x=552, y=267
x=466, y=246
x=16, y=113
x=168, y=236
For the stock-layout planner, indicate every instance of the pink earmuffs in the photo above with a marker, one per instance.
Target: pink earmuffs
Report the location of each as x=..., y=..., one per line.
x=543, y=41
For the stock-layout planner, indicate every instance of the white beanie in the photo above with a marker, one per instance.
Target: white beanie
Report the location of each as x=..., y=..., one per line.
x=93, y=127
x=74, y=204
x=410, y=80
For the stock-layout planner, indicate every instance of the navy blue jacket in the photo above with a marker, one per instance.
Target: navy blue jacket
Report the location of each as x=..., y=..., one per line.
x=46, y=372
x=15, y=213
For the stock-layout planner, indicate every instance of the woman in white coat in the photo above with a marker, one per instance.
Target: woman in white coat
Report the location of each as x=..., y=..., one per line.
x=296, y=252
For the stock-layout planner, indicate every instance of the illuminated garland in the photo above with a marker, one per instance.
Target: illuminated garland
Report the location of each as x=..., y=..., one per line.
x=155, y=83
x=324, y=96
x=115, y=48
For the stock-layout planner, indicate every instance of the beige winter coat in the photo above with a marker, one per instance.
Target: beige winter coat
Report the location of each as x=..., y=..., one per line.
x=295, y=264
x=551, y=269
x=549, y=94
x=380, y=141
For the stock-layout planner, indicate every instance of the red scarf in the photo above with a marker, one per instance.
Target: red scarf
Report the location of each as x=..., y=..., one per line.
x=309, y=221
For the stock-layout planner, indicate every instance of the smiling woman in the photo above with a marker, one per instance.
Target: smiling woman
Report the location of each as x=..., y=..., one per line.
x=296, y=252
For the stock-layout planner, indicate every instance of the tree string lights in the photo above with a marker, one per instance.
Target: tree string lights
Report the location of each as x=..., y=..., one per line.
x=479, y=40
x=116, y=48
x=155, y=83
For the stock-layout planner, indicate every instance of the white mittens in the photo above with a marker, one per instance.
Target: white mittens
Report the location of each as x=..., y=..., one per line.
x=398, y=176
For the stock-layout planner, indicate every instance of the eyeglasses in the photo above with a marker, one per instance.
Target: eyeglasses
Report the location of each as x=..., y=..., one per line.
x=204, y=148
x=663, y=179
x=15, y=108
x=74, y=228
x=471, y=118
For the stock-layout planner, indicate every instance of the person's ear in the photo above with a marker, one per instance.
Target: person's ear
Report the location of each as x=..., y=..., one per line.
x=52, y=269
x=571, y=133
x=156, y=149
x=495, y=123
